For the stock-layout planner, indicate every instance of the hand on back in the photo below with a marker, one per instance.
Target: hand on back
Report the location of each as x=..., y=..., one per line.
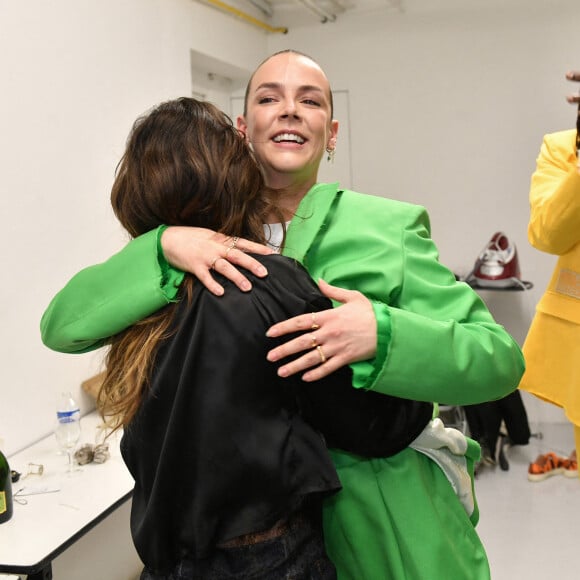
x=331, y=338
x=199, y=250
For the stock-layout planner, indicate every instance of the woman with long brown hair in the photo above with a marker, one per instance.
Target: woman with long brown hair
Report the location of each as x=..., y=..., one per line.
x=228, y=475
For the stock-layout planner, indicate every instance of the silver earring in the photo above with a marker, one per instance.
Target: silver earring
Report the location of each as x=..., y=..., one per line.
x=330, y=157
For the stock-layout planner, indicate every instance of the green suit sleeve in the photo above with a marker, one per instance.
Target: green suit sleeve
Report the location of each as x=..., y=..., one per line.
x=104, y=299
x=437, y=341
x=364, y=373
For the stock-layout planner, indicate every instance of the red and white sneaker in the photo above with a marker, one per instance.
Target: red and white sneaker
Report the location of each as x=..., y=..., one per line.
x=497, y=266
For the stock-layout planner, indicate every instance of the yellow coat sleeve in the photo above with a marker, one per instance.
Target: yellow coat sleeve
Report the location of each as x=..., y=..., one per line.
x=554, y=225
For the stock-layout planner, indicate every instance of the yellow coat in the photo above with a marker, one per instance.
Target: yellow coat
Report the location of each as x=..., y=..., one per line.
x=552, y=346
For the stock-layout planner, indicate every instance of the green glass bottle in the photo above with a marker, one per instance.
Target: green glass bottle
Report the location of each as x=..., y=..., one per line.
x=5, y=490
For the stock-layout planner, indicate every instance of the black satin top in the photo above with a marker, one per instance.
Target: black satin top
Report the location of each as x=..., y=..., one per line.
x=221, y=446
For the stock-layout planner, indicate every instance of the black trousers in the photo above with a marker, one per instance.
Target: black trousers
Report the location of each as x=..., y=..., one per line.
x=485, y=419
x=296, y=554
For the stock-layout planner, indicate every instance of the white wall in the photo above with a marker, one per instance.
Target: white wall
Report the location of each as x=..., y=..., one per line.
x=74, y=74
x=448, y=108
x=449, y=102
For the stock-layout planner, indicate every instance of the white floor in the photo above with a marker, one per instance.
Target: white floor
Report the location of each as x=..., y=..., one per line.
x=530, y=530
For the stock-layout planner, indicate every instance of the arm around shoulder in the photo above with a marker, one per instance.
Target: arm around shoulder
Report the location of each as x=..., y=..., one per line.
x=104, y=299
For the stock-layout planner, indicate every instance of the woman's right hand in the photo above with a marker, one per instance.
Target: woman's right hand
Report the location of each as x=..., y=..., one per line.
x=199, y=250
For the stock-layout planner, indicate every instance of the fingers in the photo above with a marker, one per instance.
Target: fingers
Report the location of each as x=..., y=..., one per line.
x=573, y=76
x=227, y=261
x=314, y=370
x=305, y=342
x=323, y=370
x=314, y=344
x=316, y=364
x=253, y=247
x=238, y=257
x=328, y=339
x=336, y=293
x=311, y=321
x=208, y=281
x=308, y=321
x=224, y=267
x=316, y=356
x=231, y=245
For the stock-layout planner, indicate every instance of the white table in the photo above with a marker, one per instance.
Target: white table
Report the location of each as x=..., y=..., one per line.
x=50, y=522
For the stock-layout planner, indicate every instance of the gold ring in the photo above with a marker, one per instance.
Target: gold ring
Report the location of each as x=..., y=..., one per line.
x=232, y=243
x=322, y=357
x=231, y=246
x=212, y=265
x=313, y=339
x=314, y=325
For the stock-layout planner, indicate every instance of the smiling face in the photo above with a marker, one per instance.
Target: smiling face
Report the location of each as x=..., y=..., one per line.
x=288, y=120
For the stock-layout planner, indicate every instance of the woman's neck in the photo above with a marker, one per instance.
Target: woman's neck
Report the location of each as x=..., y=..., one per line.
x=288, y=199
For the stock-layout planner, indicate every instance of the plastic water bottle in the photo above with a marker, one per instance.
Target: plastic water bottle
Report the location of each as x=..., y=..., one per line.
x=68, y=423
x=67, y=410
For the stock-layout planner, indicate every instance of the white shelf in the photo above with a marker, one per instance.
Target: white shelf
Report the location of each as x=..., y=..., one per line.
x=50, y=522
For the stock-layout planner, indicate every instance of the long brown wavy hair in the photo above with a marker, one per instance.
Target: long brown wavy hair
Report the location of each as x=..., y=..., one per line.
x=185, y=164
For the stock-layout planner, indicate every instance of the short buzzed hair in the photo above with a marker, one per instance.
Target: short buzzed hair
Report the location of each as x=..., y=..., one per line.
x=286, y=51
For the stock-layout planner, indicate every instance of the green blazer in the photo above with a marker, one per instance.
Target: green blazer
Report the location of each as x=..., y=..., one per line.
x=396, y=517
